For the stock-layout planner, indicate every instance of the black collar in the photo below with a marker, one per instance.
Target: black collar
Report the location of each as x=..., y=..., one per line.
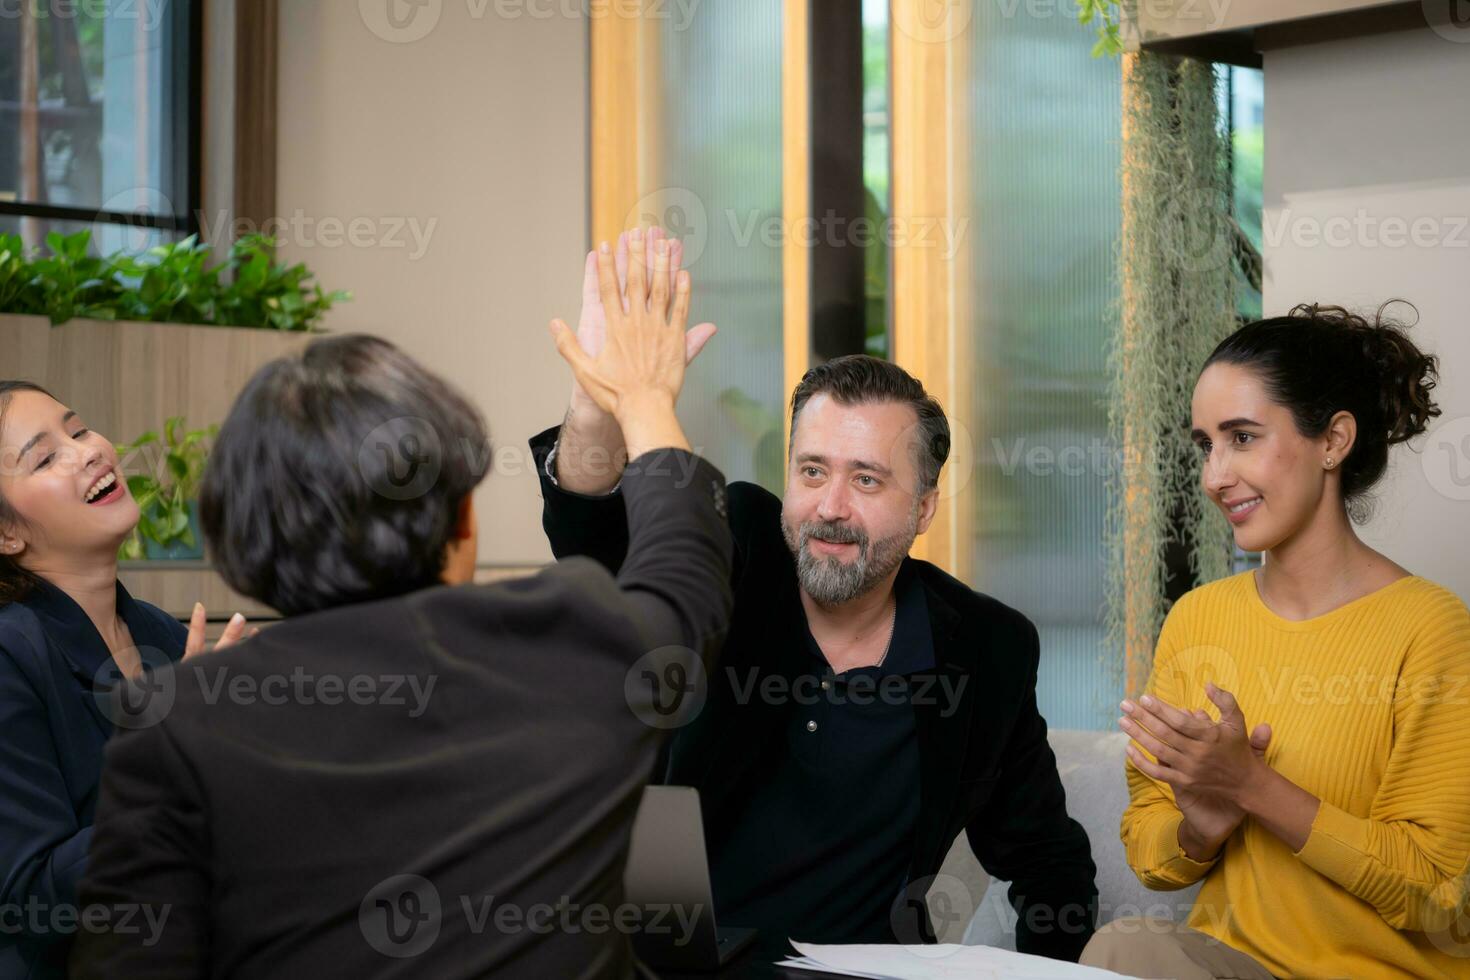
x=912, y=647
x=82, y=646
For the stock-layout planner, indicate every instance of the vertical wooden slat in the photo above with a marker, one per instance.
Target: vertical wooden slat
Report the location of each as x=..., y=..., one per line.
x=1140, y=558
x=257, y=26
x=796, y=268
x=625, y=101
x=930, y=123
x=626, y=114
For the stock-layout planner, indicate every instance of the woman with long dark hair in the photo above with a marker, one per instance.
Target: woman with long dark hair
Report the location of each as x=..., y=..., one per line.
x=1333, y=837
x=68, y=632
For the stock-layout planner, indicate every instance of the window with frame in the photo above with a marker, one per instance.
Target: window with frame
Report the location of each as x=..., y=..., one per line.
x=100, y=108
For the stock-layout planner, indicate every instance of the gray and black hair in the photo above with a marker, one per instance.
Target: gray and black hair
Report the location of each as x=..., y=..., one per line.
x=338, y=477
x=857, y=379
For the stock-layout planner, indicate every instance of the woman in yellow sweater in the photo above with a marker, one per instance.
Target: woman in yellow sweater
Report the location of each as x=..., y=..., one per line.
x=1333, y=837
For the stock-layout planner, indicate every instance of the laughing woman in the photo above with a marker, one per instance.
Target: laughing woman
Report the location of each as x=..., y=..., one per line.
x=68, y=628
x=1334, y=837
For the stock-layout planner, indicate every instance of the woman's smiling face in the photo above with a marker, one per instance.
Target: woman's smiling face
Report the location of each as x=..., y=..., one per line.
x=1256, y=466
x=62, y=482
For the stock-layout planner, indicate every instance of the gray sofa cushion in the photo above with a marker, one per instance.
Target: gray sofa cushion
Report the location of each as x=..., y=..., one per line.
x=1091, y=767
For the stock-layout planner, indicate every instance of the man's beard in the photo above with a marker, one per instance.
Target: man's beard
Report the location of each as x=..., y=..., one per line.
x=831, y=581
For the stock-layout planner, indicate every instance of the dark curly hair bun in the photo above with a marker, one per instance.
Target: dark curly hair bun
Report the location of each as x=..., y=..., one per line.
x=1320, y=360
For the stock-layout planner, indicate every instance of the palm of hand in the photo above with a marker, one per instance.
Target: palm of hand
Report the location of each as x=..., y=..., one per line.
x=592, y=322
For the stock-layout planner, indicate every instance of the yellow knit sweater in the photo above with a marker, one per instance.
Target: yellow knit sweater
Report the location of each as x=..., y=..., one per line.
x=1369, y=707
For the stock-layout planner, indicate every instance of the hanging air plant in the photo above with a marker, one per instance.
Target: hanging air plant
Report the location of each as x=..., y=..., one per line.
x=1178, y=246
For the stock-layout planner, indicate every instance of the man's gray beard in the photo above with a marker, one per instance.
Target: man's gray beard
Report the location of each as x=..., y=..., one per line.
x=832, y=582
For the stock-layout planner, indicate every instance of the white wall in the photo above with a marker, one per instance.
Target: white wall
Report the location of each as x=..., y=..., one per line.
x=475, y=134
x=1367, y=198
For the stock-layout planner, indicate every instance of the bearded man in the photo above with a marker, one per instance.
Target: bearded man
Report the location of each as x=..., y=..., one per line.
x=866, y=707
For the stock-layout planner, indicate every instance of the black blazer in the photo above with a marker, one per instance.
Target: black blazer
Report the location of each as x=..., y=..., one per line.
x=55, y=674
x=485, y=775
x=986, y=768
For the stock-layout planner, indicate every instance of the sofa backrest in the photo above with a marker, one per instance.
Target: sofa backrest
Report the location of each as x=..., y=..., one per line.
x=1091, y=767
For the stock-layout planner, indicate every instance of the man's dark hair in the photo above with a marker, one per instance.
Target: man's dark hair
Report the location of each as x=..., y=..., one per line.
x=338, y=477
x=858, y=379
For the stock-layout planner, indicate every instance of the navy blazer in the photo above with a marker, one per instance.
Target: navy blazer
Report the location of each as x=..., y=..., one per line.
x=56, y=675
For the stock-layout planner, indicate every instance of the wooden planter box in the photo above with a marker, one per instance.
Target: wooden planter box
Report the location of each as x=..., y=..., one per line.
x=125, y=379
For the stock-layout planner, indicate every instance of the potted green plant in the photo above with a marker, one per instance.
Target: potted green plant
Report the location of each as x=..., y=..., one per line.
x=167, y=493
x=180, y=282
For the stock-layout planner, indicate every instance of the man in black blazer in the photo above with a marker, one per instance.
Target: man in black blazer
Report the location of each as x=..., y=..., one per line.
x=867, y=707
x=410, y=776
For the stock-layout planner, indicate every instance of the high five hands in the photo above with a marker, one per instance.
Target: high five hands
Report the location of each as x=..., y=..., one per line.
x=1206, y=763
x=592, y=325
x=638, y=372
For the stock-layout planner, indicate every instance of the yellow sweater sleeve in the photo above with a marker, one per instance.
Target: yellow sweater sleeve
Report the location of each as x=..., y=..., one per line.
x=1409, y=857
x=1150, y=828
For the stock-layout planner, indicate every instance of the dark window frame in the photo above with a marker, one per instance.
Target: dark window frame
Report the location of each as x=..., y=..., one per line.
x=184, y=70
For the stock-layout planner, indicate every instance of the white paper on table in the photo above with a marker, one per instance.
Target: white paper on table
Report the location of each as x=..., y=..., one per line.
x=807, y=963
x=941, y=962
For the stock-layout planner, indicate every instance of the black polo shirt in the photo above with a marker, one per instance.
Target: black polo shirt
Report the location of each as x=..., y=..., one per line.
x=822, y=847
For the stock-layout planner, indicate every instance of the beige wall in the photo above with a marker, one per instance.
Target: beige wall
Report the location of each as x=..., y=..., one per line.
x=1367, y=150
x=474, y=136
x=218, y=138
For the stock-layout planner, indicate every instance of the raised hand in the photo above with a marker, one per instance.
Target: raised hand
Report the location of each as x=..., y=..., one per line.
x=592, y=324
x=235, y=631
x=637, y=375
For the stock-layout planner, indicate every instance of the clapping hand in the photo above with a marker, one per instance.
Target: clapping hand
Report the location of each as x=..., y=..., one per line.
x=1204, y=762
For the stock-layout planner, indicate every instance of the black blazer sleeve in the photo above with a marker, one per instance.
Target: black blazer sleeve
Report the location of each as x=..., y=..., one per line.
x=1025, y=836
x=149, y=865
x=43, y=847
x=577, y=524
x=676, y=573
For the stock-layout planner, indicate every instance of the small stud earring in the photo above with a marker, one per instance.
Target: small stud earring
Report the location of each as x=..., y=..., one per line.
x=1329, y=463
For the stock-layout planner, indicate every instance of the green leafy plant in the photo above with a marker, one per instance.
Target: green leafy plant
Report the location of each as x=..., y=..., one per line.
x=173, y=283
x=1108, y=15
x=168, y=490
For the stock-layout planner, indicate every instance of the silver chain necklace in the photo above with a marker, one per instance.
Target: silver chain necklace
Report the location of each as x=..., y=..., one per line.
x=892, y=624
